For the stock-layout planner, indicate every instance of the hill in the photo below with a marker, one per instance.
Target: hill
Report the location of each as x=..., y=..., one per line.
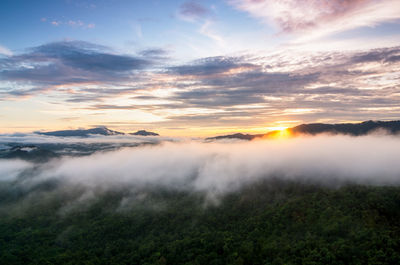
x=82, y=132
x=144, y=133
x=353, y=129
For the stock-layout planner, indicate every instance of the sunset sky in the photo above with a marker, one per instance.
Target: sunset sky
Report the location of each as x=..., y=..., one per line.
x=197, y=68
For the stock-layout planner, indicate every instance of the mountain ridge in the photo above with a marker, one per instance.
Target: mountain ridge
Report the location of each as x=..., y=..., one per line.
x=101, y=130
x=82, y=132
x=353, y=129
x=144, y=133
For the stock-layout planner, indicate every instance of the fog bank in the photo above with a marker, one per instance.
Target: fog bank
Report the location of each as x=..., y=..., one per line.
x=220, y=167
x=10, y=169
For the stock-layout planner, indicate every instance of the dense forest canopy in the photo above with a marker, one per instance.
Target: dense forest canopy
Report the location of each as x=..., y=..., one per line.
x=270, y=222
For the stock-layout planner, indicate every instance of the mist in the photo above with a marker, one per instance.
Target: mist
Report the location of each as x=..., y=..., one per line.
x=11, y=169
x=220, y=167
x=33, y=138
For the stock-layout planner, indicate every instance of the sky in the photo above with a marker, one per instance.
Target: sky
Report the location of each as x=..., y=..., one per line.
x=197, y=67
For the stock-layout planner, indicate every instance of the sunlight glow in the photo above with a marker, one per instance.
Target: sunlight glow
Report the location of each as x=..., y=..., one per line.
x=279, y=134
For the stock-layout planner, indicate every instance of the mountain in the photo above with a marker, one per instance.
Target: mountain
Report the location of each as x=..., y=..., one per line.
x=145, y=133
x=82, y=133
x=236, y=136
x=353, y=129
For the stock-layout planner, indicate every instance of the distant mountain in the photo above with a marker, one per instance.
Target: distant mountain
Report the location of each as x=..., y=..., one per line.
x=82, y=133
x=354, y=129
x=236, y=136
x=145, y=133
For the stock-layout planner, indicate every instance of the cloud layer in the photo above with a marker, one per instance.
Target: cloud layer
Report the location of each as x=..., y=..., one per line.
x=11, y=169
x=217, y=168
x=233, y=91
x=69, y=63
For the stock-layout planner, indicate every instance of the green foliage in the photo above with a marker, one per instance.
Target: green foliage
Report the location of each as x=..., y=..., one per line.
x=266, y=223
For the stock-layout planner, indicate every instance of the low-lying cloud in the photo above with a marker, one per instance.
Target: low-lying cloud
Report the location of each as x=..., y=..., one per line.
x=10, y=169
x=34, y=138
x=220, y=167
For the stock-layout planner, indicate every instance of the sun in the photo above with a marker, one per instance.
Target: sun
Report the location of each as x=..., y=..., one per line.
x=284, y=133
x=279, y=133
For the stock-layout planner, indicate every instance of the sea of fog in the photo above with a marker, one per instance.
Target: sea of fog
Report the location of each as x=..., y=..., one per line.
x=212, y=167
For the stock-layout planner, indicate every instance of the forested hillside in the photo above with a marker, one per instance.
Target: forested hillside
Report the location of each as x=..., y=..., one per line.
x=270, y=222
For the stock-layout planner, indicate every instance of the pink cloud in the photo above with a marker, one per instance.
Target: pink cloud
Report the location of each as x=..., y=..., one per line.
x=321, y=17
x=55, y=23
x=5, y=51
x=77, y=23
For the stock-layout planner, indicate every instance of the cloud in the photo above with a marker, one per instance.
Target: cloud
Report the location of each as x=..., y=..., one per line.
x=242, y=88
x=206, y=30
x=88, y=57
x=71, y=23
x=283, y=86
x=229, y=81
x=338, y=86
x=70, y=62
x=5, y=51
x=155, y=53
x=218, y=98
x=34, y=138
x=192, y=10
x=319, y=18
x=252, y=91
x=390, y=55
x=11, y=169
x=210, y=66
x=217, y=168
